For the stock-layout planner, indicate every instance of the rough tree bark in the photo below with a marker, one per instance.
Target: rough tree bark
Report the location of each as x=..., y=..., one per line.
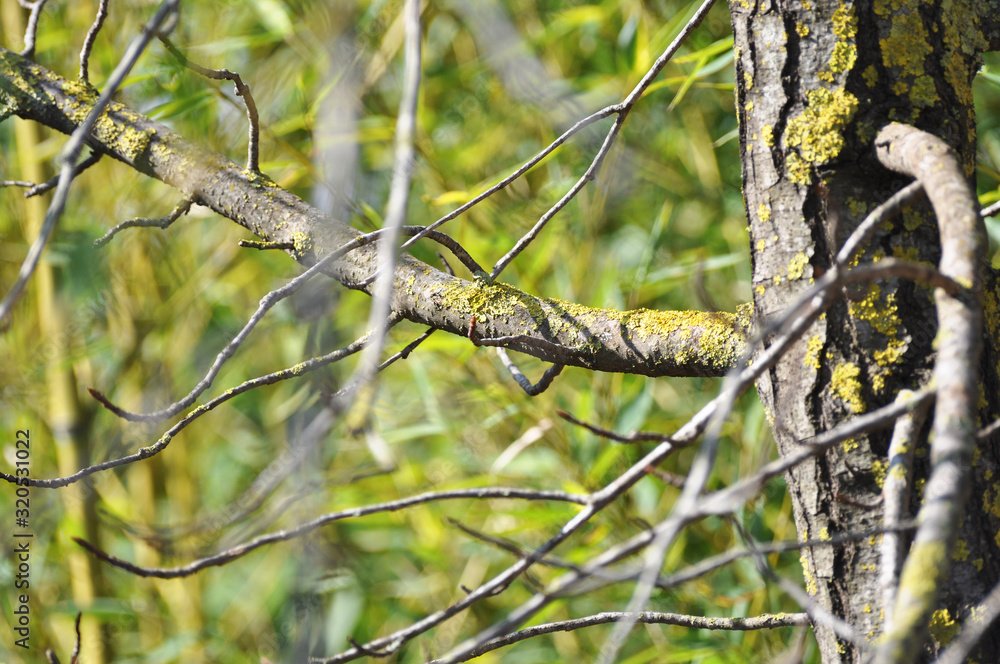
x=816, y=82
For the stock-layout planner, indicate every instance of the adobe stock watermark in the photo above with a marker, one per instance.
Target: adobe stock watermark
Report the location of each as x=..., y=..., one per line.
x=21, y=597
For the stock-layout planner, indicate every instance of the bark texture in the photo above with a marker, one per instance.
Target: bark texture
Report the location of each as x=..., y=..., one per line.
x=816, y=81
x=651, y=343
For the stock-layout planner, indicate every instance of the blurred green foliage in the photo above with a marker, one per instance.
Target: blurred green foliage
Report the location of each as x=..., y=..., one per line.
x=663, y=227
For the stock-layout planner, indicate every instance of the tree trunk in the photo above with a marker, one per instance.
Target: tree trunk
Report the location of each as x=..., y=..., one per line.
x=816, y=81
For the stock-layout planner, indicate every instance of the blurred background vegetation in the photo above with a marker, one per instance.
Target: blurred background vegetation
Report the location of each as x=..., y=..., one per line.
x=141, y=319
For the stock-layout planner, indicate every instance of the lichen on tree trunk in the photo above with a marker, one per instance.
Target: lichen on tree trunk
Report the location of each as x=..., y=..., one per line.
x=815, y=83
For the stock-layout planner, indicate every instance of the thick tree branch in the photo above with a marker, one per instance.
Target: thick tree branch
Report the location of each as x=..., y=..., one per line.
x=929, y=159
x=645, y=342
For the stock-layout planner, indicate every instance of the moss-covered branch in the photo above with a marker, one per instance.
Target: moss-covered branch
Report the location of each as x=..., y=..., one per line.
x=653, y=343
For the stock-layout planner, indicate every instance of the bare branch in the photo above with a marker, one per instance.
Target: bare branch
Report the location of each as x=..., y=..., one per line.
x=364, y=380
x=976, y=625
x=532, y=390
x=721, y=502
x=32, y=29
x=242, y=90
x=656, y=343
x=929, y=159
x=71, y=151
x=37, y=189
x=635, y=437
x=764, y=621
x=88, y=42
x=622, y=111
x=896, y=498
x=817, y=613
x=266, y=304
x=292, y=533
x=162, y=223
x=883, y=212
x=164, y=440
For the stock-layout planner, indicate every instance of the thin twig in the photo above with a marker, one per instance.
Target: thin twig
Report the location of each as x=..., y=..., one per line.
x=266, y=304
x=989, y=430
x=721, y=502
x=300, y=530
x=164, y=440
x=32, y=28
x=76, y=644
x=896, y=498
x=266, y=245
x=242, y=90
x=621, y=110
x=508, y=546
x=980, y=619
x=457, y=249
x=37, y=189
x=162, y=223
x=71, y=152
x=533, y=390
x=885, y=211
x=16, y=183
x=524, y=168
x=363, y=381
x=930, y=160
x=635, y=437
x=88, y=42
x=764, y=621
x=991, y=210
x=818, y=614
x=501, y=342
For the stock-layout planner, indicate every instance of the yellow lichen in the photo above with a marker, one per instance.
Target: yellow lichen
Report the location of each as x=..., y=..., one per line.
x=847, y=387
x=797, y=265
x=813, y=348
x=718, y=337
x=764, y=214
x=767, y=134
x=799, y=171
x=808, y=576
x=879, y=471
x=857, y=208
x=818, y=132
x=882, y=315
x=943, y=627
x=870, y=74
x=845, y=27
